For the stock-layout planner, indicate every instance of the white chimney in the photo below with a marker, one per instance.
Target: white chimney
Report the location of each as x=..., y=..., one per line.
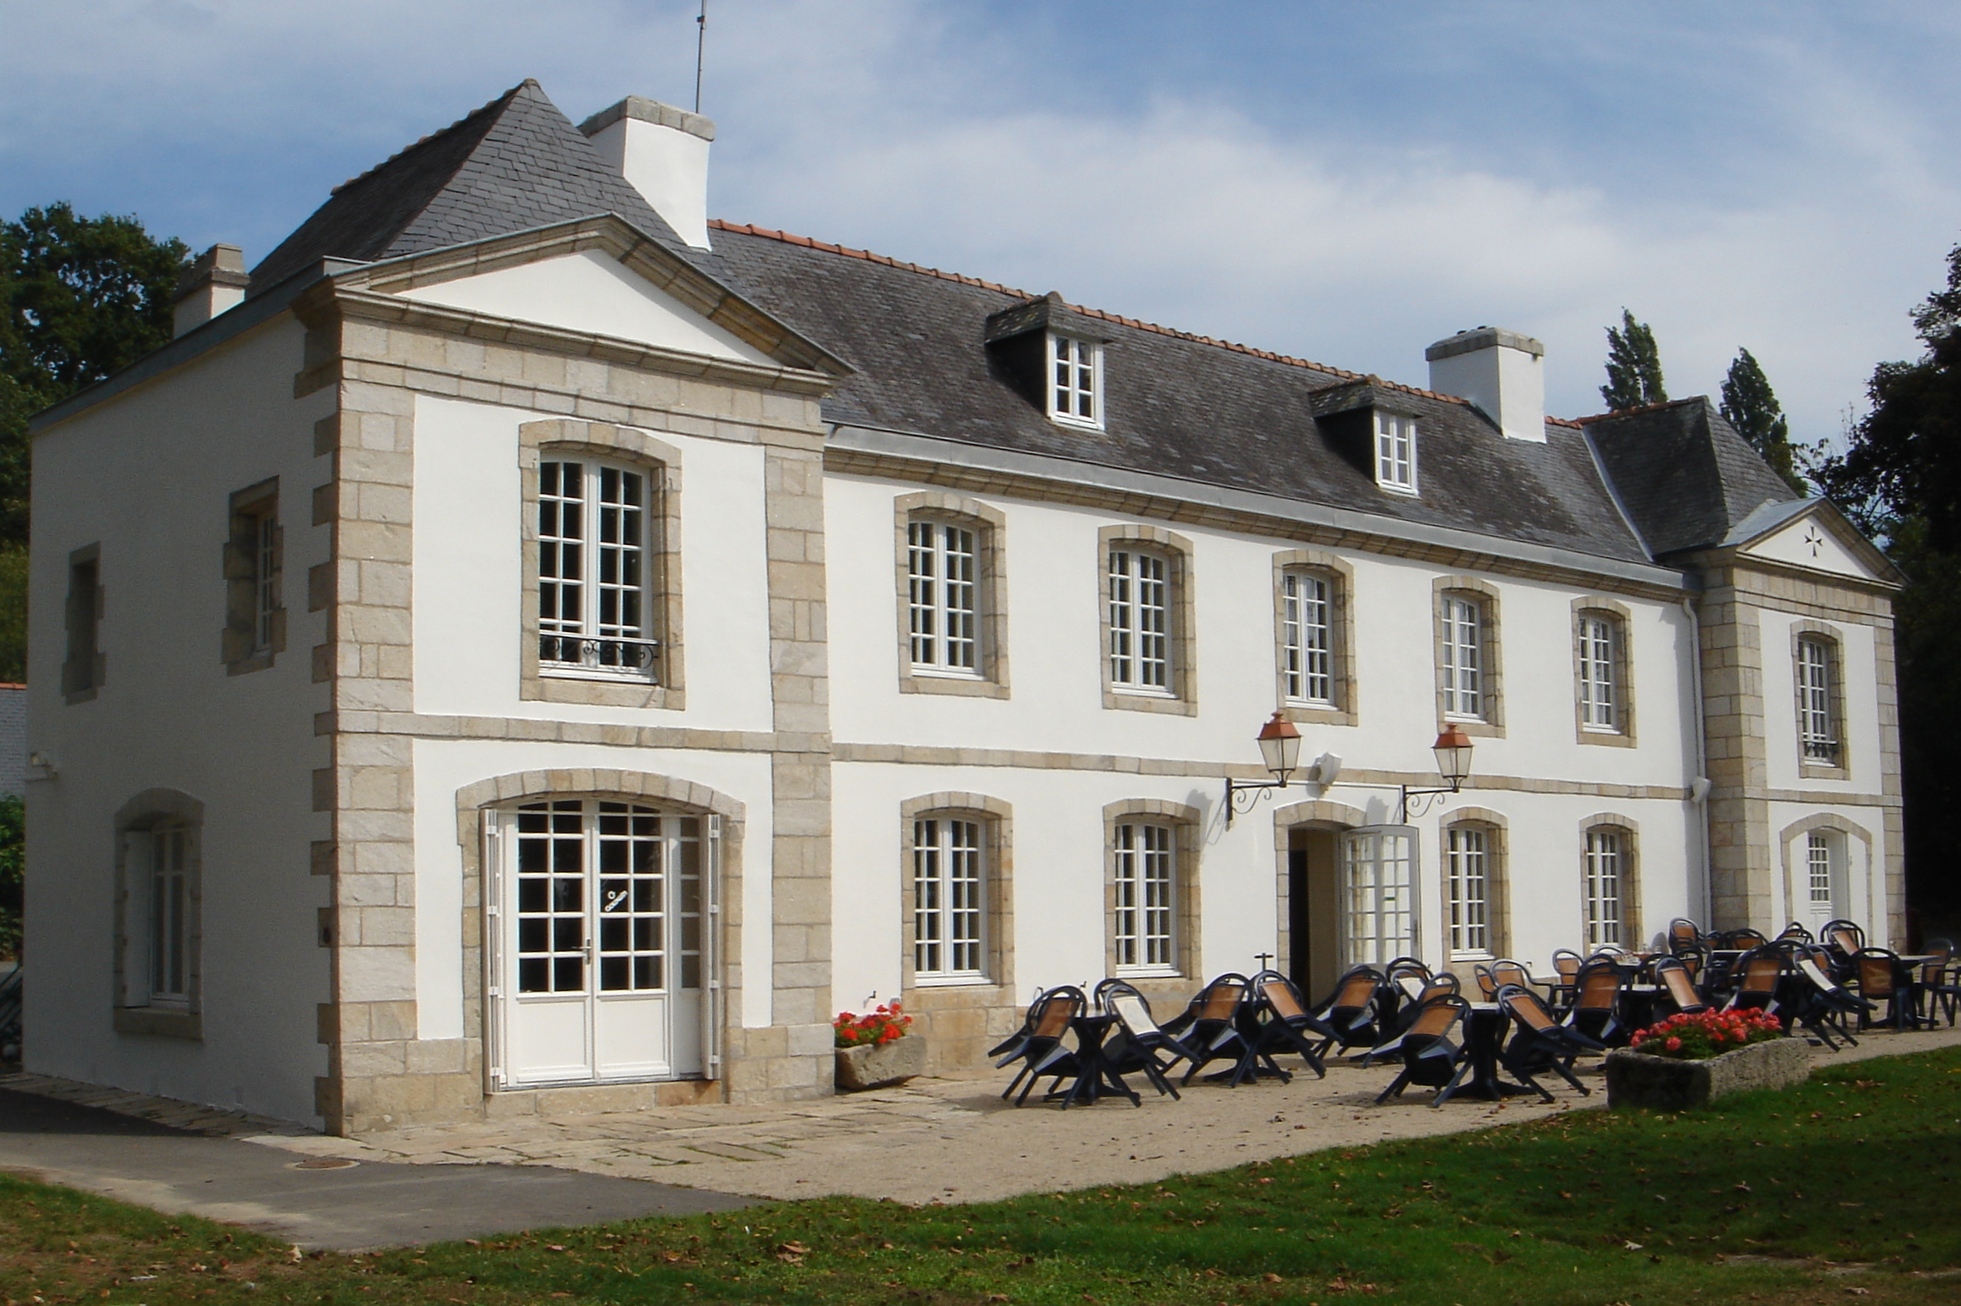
x=1501, y=372
x=663, y=152
x=214, y=282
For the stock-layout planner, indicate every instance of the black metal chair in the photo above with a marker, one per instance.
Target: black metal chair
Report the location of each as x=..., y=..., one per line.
x=1442, y=984
x=1761, y=975
x=1212, y=1023
x=1139, y=1043
x=1038, y=1045
x=1285, y=1024
x=1942, y=981
x=1539, y=1043
x=1821, y=1004
x=1678, y=985
x=1883, y=977
x=1683, y=934
x=1431, y=1058
x=1595, y=1011
x=1353, y=1013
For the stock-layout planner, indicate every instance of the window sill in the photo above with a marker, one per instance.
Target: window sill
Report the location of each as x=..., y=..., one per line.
x=1075, y=423
x=1389, y=487
x=953, y=982
x=1823, y=771
x=160, y=1022
x=1138, y=699
x=551, y=686
x=1600, y=737
x=1148, y=972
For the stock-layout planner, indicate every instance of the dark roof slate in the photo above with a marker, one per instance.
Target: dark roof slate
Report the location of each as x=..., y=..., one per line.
x=1683, y=473
x=515, y=164
x=1175, y=405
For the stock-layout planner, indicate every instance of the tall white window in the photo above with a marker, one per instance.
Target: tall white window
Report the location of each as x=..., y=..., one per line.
x=1146, y=867
x=947, y=883
x=1307, y=638
x=1817, y=726
x=265, y=579
x=1378, y=870
x=1140, y=620
x=1605, y=871
x=943, y=598
x=1075, y=381
x=1600, y=688
x=593, y=604
x=1467, y=869
x=1395, y=452
x=1821, y=866
x=1463, y=657
x=171, y=911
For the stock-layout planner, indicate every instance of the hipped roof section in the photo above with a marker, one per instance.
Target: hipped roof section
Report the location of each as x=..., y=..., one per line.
x=514, y=165
x=1686, y=478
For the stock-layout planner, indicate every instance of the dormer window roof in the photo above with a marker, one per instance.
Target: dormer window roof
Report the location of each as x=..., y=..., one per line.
x=1054, y=357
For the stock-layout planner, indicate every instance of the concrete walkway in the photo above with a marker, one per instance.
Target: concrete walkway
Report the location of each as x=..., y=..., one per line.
x=935, y=1140
x=314, y=1202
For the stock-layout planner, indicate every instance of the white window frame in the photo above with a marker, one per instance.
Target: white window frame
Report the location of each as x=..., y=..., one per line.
x=1380, y=920
x=1144, y=924
x=1073, y=381
x=949, y=899
x=1467, y=880
x=1139, y=618
x=1307, y=637
x=1462, y=657
x=943, y=597
x=1824, y=859
x=265, y=576
x=1605, y=886
x=1600, y=674
x=1395, y=452
x=619, y=644
x=1818, y=728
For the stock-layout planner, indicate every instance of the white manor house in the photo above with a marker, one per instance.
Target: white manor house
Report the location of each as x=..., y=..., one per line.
x=526, y=646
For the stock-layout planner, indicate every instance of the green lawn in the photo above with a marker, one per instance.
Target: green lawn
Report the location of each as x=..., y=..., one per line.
x=1586, y=1207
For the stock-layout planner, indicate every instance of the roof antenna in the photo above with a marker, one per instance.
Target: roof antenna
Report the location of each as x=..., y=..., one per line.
x=701, y=41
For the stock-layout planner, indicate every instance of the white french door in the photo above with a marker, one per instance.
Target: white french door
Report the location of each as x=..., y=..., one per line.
x=1378, y=894
x=1824, y=888
x=598, y=923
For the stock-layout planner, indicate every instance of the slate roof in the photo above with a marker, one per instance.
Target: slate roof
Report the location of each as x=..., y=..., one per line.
x=515, y=164
x=1683, y=473
x=1175, y=405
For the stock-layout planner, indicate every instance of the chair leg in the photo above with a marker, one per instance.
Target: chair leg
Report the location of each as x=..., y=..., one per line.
x=1456, y=1081
x=1396, y=1086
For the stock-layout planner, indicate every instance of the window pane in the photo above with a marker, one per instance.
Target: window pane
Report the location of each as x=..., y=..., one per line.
x=1603, y=887
x=947, y=903
x=593, y=537
x=1463, y=657
x=1468, y=868
x=1145, y=885
x=1306, y=638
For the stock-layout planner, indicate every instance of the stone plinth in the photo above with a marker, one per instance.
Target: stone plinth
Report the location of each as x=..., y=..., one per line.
x=872, y=1066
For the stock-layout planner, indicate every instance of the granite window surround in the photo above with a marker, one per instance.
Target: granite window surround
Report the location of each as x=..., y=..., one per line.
x=996, y=821
x=1180, y=695
x=254, y=571
x=1497, y=896
x=1620, y=621
x=135, y=1011
x=1185, y=825
x=1339, y=577
x=1629, y=873
x=989, y=526
x=660, y=462
x=1490, y=721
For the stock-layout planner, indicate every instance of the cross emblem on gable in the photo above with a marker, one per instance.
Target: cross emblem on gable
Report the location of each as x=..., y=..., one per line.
x=1815, y=538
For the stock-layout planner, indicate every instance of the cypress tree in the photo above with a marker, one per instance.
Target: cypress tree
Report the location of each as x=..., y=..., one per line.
x=1750, y=405
x=1633, y=366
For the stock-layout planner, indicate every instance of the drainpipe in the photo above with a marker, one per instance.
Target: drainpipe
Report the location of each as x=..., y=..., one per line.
x=1699, y=787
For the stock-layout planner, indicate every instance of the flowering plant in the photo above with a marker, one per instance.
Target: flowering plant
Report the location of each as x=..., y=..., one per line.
x=1706, y=1034
x=877, y=1027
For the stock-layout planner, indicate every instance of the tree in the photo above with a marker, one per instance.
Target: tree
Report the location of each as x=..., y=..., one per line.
x=1750, y=405
x=80, y=298
x=1900, y=480
x=1633, y=366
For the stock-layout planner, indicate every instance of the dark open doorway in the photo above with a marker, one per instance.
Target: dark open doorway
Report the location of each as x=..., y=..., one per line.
x=1313, y=905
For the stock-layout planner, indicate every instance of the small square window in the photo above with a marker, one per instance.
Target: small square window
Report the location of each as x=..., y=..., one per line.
x=1075, y=381
x=1395, y=452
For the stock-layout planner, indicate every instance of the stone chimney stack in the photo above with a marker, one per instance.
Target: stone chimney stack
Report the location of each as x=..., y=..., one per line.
x=1501, y=372
x=214, y=282
x=663, y=152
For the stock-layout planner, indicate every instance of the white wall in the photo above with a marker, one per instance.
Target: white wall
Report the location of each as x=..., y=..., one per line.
x=148, y=475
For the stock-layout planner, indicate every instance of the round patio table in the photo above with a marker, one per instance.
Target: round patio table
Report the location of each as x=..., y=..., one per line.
x=1484, y=1036
x=1096, y=1075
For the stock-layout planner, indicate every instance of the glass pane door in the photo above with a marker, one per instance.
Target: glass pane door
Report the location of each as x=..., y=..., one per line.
x=1378, y=876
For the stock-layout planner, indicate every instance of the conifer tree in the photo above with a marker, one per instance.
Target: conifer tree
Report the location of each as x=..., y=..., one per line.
x=1633, y=366
x=1750, y=405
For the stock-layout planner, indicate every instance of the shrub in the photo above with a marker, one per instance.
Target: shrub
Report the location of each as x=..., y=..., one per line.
x=13, y=829
x=1706, y=1034
x=878, y=1026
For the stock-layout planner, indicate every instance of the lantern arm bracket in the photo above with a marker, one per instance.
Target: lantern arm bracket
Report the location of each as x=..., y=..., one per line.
x=1242, y=795
x=1426, y=799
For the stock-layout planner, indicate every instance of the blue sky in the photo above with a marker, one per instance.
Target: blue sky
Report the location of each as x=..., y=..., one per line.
x=1345, y=182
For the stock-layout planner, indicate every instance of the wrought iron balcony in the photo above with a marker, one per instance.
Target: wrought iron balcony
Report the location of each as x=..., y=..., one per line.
x=638, y=659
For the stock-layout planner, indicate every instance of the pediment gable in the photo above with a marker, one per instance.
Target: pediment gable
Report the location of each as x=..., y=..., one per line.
x=1817, y=538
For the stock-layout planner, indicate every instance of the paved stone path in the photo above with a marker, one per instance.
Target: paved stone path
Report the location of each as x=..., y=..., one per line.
x=945, y=1139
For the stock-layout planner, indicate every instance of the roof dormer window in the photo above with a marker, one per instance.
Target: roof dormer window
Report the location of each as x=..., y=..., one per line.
x=1395, y=452
x=1075, y=381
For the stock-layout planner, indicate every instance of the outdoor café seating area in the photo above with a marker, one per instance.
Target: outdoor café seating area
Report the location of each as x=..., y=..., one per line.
x=1507, y=1030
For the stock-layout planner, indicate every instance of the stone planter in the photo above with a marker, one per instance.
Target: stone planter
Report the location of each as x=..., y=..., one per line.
x=870, y=1066
x=1635, y=1079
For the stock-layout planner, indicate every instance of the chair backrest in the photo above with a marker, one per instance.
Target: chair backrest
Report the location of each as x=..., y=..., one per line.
x=1566, y=963
x=1761, y=971
x=1407, y=966
x=1280, y=995
x=1129, y=1007
x=1220, y=999
x=1487, y=983
x=1356, y=989
x=1437, y=1017
x=1508, y=971
x=1942, y=948
x=1441, y=983
x=1877, y=968
x=1674, y=976
x=1599, y=986
x=1844, y=935
x=1525, y=1007
x=1795, y=930
x=1413, y=987
x=1809, y=968
x=1049, y=1015
x=1684, y=930
x=1744, y=938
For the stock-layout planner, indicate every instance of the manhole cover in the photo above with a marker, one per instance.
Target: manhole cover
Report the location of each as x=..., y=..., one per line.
x=323, y=1163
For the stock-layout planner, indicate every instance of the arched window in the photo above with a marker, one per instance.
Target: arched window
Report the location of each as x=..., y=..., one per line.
x=159, y=915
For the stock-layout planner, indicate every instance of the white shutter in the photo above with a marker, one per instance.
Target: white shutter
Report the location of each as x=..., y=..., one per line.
x=137, y=925
x=711, y=956
x=493, y=946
